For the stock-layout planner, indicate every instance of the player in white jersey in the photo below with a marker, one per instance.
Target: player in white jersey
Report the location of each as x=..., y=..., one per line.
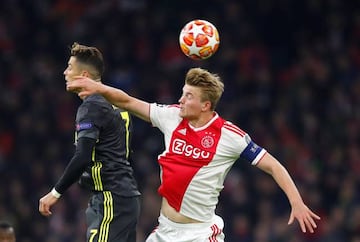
x=200, y=148
x=198, y=159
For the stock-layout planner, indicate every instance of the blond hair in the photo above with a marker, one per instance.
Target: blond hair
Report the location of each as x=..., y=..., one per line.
x=210, y=84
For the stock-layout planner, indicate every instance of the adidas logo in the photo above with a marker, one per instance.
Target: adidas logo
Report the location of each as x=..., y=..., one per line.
x=182, y=131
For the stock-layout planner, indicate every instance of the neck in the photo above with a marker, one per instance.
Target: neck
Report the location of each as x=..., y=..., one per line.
x=202, y=120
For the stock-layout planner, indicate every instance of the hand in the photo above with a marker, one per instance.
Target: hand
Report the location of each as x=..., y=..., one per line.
x=83, y=86
x=45, y=204
x=305, y=217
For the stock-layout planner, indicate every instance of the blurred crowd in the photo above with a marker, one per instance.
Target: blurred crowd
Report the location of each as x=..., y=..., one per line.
x=292, y=80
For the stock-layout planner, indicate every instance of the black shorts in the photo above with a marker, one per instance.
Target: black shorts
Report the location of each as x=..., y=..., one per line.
x=111, y=218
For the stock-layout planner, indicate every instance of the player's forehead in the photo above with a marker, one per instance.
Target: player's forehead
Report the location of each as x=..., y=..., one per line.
x=193, y=90
x=72, y=60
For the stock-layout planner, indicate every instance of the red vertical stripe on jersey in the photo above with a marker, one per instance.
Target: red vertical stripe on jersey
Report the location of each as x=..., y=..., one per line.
x=189, y=151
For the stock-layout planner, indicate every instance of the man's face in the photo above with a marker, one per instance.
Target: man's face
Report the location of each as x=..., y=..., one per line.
x=191, y=105
x=73, y=69
x=7, y=235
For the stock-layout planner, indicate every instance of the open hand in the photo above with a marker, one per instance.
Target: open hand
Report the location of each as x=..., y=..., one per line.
x=305, y=217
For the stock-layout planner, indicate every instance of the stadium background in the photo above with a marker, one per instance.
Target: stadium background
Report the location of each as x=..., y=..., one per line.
x=292, y=80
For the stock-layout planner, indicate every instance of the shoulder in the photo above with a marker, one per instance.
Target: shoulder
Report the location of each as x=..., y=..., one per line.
x=94, y=106
x=164, y=115
x=165, y=106
x=95, y=102
x=233, y=129
x=96, y=99
x=156, y=108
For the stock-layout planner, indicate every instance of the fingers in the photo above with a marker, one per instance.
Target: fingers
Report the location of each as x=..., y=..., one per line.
x=45, y=204
x=306, y=222
x=302, y=226
x=77, y=87
x=44, y=209
x=313, y=223
x=305, y=225
x=46, y=213
x=72, y=85
x=310, y=222
x=291, y=219
x=82, y=95
x=315, y=215
x=78, y=77
x=310, y=225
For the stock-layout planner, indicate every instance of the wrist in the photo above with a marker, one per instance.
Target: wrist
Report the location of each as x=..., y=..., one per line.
x=55, y=193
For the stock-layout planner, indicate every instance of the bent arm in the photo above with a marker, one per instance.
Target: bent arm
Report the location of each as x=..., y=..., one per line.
x=77, y=165
x=273, y=167
x=299, y=210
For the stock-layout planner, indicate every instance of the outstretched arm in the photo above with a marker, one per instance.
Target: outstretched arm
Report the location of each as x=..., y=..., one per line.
x=299, y=210
x=85, y=86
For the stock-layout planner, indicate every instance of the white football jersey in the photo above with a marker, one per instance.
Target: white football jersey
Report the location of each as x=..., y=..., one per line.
x=195, y=161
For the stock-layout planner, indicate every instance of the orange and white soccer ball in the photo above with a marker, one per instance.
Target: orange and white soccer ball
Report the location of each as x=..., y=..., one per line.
x=199, y=39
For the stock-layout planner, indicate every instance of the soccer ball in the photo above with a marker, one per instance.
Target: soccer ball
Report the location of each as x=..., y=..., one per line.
x=199, y=39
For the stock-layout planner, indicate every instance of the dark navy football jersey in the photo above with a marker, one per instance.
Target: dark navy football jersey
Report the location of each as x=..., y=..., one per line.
x=110, y=168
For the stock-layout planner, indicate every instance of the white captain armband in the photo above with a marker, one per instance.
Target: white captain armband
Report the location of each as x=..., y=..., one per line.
x=55, y=193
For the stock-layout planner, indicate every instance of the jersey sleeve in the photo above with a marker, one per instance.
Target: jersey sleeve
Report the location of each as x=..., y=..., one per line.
x=239, y=144
x=77, y=164
x=162, y=115
x=89, y=119
x=252, y=152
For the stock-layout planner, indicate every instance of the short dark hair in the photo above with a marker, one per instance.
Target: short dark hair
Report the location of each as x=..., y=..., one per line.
x=89, y=55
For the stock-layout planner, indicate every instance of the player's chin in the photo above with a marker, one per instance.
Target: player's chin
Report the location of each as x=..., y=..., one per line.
x=182, y=114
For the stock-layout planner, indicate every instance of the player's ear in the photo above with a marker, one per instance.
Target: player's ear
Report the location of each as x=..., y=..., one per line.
x=85, y=73
x=206, y=106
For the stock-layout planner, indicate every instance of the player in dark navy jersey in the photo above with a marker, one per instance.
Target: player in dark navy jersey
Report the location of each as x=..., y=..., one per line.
x=101, y=162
